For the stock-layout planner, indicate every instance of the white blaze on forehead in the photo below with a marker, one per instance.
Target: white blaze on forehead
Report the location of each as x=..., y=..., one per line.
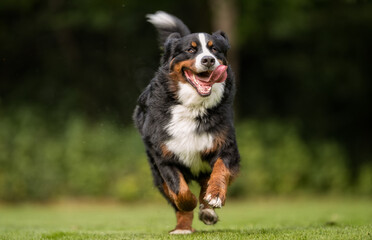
x=205, y=52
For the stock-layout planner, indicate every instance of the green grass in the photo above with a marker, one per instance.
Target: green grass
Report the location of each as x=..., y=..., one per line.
x=255, y=219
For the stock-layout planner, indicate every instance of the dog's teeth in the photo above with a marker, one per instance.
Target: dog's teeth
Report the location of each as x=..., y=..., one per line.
x=195, y=80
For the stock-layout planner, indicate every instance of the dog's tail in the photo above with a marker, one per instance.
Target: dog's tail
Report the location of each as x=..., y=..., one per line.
x=166, y=24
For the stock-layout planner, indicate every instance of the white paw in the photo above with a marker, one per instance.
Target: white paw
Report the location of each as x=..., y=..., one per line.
x=213, y=202
x=181, y=231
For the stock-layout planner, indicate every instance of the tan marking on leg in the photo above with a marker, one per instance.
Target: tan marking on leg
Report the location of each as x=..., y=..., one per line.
x=184, y=223
x=166, y=191
x=185, y=201
x=217, y=184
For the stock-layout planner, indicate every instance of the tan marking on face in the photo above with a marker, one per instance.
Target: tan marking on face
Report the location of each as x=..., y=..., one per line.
x=176, y=69
x=176, y=74
x=193, y=44
x=210, y=43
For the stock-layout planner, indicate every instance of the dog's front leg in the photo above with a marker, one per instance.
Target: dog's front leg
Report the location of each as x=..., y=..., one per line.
x=215, y=194
x=206, y=213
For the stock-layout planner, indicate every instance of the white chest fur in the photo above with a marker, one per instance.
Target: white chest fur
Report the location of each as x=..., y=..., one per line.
x=185, y=141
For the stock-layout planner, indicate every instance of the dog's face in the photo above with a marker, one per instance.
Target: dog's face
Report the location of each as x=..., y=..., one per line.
x=198, y=59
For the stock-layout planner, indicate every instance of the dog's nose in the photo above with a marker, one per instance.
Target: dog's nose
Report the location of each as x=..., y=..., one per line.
x=208, y=61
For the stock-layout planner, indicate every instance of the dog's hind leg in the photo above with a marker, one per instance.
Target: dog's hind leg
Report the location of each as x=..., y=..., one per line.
x=172, y=184
x=177, y=191
x=159, y=181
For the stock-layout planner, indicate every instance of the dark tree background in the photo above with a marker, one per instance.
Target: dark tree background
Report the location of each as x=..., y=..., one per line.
x=298, y=61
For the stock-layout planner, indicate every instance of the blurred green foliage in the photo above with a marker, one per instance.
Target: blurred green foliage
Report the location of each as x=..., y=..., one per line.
x=102, y=159
x=80, y=159
x=276, y=160
x=71, y=71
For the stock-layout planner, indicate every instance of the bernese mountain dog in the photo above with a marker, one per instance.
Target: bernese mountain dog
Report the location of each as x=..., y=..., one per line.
x=185, y=118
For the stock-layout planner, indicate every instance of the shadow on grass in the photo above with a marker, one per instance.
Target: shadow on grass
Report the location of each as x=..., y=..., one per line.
x=244, y=231
x=272, y=231
x=228, y=233
x=126, y=235
x=104, y=235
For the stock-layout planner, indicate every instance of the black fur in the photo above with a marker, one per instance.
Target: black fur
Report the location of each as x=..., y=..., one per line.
x=152, y=113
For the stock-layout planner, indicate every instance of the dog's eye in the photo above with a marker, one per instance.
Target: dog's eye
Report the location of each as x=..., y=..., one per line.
x=214, y=50
x=191, y=50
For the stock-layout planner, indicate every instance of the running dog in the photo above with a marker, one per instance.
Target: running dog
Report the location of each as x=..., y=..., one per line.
x=185, y=118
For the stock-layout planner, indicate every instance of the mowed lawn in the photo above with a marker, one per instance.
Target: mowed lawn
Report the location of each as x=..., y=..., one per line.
x=253, y=219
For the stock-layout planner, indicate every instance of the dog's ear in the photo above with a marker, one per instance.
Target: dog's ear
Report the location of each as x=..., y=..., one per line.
x=169, y=47
x=220, y=35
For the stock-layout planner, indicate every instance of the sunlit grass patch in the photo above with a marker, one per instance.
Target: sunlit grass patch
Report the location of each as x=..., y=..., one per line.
x=258, y=219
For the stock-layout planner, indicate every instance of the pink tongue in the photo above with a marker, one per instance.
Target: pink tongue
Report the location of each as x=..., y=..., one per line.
x=203, y=85
x=219, y=74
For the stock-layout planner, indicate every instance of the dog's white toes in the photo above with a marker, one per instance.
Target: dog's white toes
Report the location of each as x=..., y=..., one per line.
x=208, y=198
x=180, y=231
x=219, y=203
x=215, y=202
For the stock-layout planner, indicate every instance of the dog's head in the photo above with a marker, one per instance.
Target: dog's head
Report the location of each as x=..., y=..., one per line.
x=198, y=58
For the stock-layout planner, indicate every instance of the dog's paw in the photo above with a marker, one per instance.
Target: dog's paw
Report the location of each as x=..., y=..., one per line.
x=181, y=231
x=208, y=216
x=214, y=201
